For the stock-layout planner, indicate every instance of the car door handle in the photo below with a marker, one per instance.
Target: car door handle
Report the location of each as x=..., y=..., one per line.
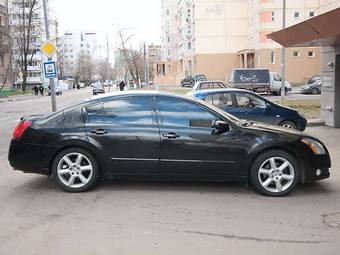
x=99, y=131
x=171, y=135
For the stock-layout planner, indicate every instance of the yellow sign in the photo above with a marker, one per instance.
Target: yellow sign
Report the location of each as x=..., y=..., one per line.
x=48, y=48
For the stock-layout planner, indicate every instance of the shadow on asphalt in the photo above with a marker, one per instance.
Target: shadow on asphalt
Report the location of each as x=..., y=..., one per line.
x=45, y=184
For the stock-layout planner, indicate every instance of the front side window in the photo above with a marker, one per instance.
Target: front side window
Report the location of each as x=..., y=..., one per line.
x=122, y=111
x=174, y=112
x=220, y=100
x=249, y=101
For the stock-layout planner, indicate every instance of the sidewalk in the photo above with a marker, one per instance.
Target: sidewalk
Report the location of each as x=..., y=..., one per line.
x=17, y=98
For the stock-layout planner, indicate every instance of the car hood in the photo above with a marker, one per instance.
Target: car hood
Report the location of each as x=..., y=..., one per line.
x=274, y=129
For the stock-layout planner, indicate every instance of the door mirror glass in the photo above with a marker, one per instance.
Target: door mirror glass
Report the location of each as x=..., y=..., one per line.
x=220, y=126
x=268, y=107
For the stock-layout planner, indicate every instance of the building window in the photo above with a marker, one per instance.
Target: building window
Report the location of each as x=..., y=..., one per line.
x=168, y=39
x=311, y=14
x=311, y=54
x=296, y=54
x=296, y=15
x=189, y=46
x=167, y=12
x=272, y=57
x=273, y=16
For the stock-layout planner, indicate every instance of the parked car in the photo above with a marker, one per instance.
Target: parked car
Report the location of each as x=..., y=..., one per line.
x=189, y=81
x=312, y=88
x=202, y=85
x=57, y=89
x=98, y=88
x=161, y=136
x=82, y=85
x=247, y=105
x=257, y=80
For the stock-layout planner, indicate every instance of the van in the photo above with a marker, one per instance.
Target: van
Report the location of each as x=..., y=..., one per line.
x=257, y=80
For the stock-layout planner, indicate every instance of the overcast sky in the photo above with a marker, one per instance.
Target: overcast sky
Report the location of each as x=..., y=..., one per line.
x=107, y=16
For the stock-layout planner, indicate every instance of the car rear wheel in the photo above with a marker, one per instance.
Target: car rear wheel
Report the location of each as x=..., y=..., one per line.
x=315, y=91
x=288, y=124
x=274, y=173
x=75, y=170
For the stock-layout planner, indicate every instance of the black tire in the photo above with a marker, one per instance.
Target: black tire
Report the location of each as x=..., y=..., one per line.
x=315, y=91
x=288, y=124
x=262, y=158
x=92, y=180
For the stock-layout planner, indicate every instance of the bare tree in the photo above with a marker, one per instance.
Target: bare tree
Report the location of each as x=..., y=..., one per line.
x=5, y=50
x=84, y=69
x=133, y=58
x=23, y=35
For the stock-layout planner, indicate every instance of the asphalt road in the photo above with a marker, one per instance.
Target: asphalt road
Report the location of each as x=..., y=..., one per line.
x=36, y=217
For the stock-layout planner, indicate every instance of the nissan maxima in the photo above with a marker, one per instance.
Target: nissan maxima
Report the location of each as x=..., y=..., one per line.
x=161, y=136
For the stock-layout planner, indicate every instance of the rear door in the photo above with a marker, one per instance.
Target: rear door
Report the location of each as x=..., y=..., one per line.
x=126, y=131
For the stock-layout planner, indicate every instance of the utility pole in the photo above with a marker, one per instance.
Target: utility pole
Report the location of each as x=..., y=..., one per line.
x=146, y=76
x=107, y=69
x=47, y=32
x=283, y=54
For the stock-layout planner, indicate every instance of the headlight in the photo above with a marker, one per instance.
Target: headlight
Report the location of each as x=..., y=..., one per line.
x=314, y=145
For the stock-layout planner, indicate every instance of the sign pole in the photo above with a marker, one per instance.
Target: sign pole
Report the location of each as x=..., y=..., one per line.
x=283, y=55
x=47, y=32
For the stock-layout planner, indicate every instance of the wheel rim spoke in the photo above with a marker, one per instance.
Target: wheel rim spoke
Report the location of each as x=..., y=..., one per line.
x=79, y=158
x=272, y=163
x=64, y=171
x=86, y=168
x=71, y=180
x=267, y=182
x=67, y=160
x=82, y=179
x=287, y=177
x=284, y=166
x=264, y=171
x=278, y=185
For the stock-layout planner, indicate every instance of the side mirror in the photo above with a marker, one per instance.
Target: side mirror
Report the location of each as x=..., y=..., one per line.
x=220, y=127
x=268, y=107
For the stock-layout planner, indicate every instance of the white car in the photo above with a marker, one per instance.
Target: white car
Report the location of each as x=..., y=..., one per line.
x=202, y=85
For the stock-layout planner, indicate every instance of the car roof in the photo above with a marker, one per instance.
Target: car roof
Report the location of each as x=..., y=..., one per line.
x=213, y=91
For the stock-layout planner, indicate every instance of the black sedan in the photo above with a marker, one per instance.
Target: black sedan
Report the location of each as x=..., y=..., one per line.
x=250, y=106
x=160, y=136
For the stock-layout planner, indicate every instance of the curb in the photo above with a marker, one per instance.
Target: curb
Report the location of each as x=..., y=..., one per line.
x=315, y=123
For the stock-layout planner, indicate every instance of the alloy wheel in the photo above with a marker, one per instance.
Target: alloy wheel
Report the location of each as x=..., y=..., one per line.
x=276, y=174
x=74, y=170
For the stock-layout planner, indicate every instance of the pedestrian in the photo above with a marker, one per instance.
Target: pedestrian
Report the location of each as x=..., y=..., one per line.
x=121, y=86
x=36, y=90
x=41, y=89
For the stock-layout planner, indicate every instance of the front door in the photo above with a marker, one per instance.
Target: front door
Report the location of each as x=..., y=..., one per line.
x=126, y=131
x=251, y=107
x=188, y=145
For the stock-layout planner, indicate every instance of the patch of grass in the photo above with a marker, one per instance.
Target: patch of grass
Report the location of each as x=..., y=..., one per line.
x=310, y=108
x=14, y=92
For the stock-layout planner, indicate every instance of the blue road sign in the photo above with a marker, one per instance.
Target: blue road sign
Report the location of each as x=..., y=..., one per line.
x=50, y=69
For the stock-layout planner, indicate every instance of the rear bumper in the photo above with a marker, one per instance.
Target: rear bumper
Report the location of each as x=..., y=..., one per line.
x=31, y=158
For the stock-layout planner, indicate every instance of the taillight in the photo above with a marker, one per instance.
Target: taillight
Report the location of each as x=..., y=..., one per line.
x=20, y=129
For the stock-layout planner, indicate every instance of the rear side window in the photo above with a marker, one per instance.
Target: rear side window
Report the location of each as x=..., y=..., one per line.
x=123, y=111
x=245, y=100
x=222, y=100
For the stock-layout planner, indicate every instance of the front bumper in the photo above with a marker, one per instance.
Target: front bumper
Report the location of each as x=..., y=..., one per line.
x=317, y=163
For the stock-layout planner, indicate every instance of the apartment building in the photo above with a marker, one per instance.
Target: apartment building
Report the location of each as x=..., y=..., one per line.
x=74, y=45
x=5, y=68
x=154, y=55
x=37, y=37
x=214, y=36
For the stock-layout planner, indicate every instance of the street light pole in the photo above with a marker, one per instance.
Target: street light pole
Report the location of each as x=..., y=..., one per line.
x=283, y=54
x=146, y=77
x=47, y=32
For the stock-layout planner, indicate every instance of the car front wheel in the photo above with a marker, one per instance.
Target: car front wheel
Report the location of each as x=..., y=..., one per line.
x=274, y=173
x=75, y=170
x=288, y=124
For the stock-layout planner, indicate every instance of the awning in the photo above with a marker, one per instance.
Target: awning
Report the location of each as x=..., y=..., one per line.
x=322, y=30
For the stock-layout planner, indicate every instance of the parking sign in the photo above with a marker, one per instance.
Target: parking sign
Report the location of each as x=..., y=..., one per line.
x=50, y=69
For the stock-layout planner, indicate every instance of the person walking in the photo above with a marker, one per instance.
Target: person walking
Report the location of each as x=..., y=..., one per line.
x=41, y=89
x=36, y=90
x=121, y=86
